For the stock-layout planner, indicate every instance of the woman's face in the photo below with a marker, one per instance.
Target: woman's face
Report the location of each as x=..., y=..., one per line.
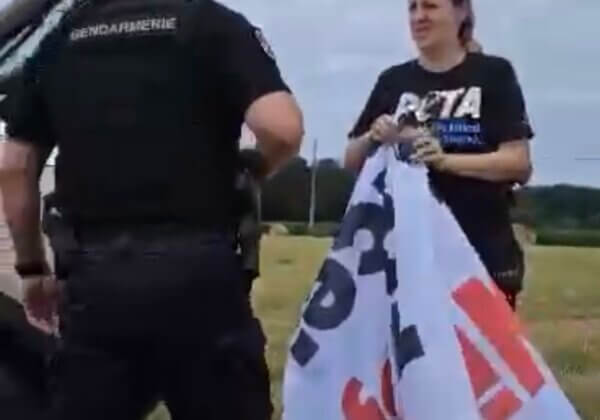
x=434, y=22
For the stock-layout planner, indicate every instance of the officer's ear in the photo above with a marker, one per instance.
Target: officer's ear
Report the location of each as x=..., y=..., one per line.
x=276, y=119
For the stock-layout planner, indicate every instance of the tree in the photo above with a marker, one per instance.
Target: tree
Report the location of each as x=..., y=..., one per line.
x=285, y=197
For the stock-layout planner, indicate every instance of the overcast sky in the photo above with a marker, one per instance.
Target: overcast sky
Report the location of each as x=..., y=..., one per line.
x=331, y=51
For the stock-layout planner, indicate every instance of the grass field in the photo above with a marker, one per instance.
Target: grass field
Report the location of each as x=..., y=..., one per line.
x=560, y=306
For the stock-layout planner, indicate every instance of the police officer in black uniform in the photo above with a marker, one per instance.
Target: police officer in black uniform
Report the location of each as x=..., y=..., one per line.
x=145, y=100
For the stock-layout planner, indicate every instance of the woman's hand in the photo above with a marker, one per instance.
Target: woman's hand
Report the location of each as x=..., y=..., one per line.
x=510, y=163
x=429, y=151
x=385, y=130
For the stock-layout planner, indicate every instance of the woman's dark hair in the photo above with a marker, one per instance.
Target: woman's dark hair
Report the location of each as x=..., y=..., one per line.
x=467, y=27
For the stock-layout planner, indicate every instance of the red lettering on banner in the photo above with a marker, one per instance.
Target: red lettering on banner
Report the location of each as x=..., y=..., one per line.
x=480, y=371
x=495, y=320
x=352, y=407
x=387, y=389
x=483, y=378
x=504, y=404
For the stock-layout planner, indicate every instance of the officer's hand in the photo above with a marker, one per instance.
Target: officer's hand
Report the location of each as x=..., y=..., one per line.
x=40, y=298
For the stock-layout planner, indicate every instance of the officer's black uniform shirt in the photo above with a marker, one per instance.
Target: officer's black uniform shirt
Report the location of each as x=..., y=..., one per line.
x=480, y=106
x=145, y=100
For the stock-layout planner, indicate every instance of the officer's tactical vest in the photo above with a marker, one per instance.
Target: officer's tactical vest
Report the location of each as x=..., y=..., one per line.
x=142, y=131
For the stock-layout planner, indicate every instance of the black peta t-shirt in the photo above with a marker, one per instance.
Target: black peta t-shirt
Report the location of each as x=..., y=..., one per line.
x=480, y=105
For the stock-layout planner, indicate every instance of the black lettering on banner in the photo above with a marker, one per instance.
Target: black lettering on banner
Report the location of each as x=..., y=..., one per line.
x=407, y=343
x=379, y=182
x=358, y=217
x=391, y=279
x=304, y=348
x=333, y=301
x=336, y=283
x=379, y=221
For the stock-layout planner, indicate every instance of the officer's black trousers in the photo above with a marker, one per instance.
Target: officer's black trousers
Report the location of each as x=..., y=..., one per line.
x=23, y=351
x=18, y=399
x=159, y=316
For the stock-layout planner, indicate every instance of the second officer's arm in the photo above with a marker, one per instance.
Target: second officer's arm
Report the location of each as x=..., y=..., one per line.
x=255, y=85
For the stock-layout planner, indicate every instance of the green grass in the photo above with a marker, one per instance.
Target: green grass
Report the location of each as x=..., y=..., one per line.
x=562, y=283
x=560, y=307
x=586, y=238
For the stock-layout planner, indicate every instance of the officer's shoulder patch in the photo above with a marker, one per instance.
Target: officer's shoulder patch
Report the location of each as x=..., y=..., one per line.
x=262, y=40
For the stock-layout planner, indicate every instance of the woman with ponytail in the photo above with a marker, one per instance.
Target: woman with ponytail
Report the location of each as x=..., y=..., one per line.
x=478, y=147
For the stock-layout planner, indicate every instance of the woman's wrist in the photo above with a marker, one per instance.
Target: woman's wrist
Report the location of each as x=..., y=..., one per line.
x=445, y=163
x=367, y=139
x=364, y=143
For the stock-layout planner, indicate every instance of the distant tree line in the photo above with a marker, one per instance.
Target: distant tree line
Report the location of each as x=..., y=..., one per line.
x=558, y=207
x=286, y=197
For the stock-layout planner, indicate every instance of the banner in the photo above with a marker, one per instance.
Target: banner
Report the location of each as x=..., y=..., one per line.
x=405, y=323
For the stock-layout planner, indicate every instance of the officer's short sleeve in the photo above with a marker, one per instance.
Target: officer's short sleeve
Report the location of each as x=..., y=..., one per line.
x=511, y=121
x=26, y=114
x=248, y=62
